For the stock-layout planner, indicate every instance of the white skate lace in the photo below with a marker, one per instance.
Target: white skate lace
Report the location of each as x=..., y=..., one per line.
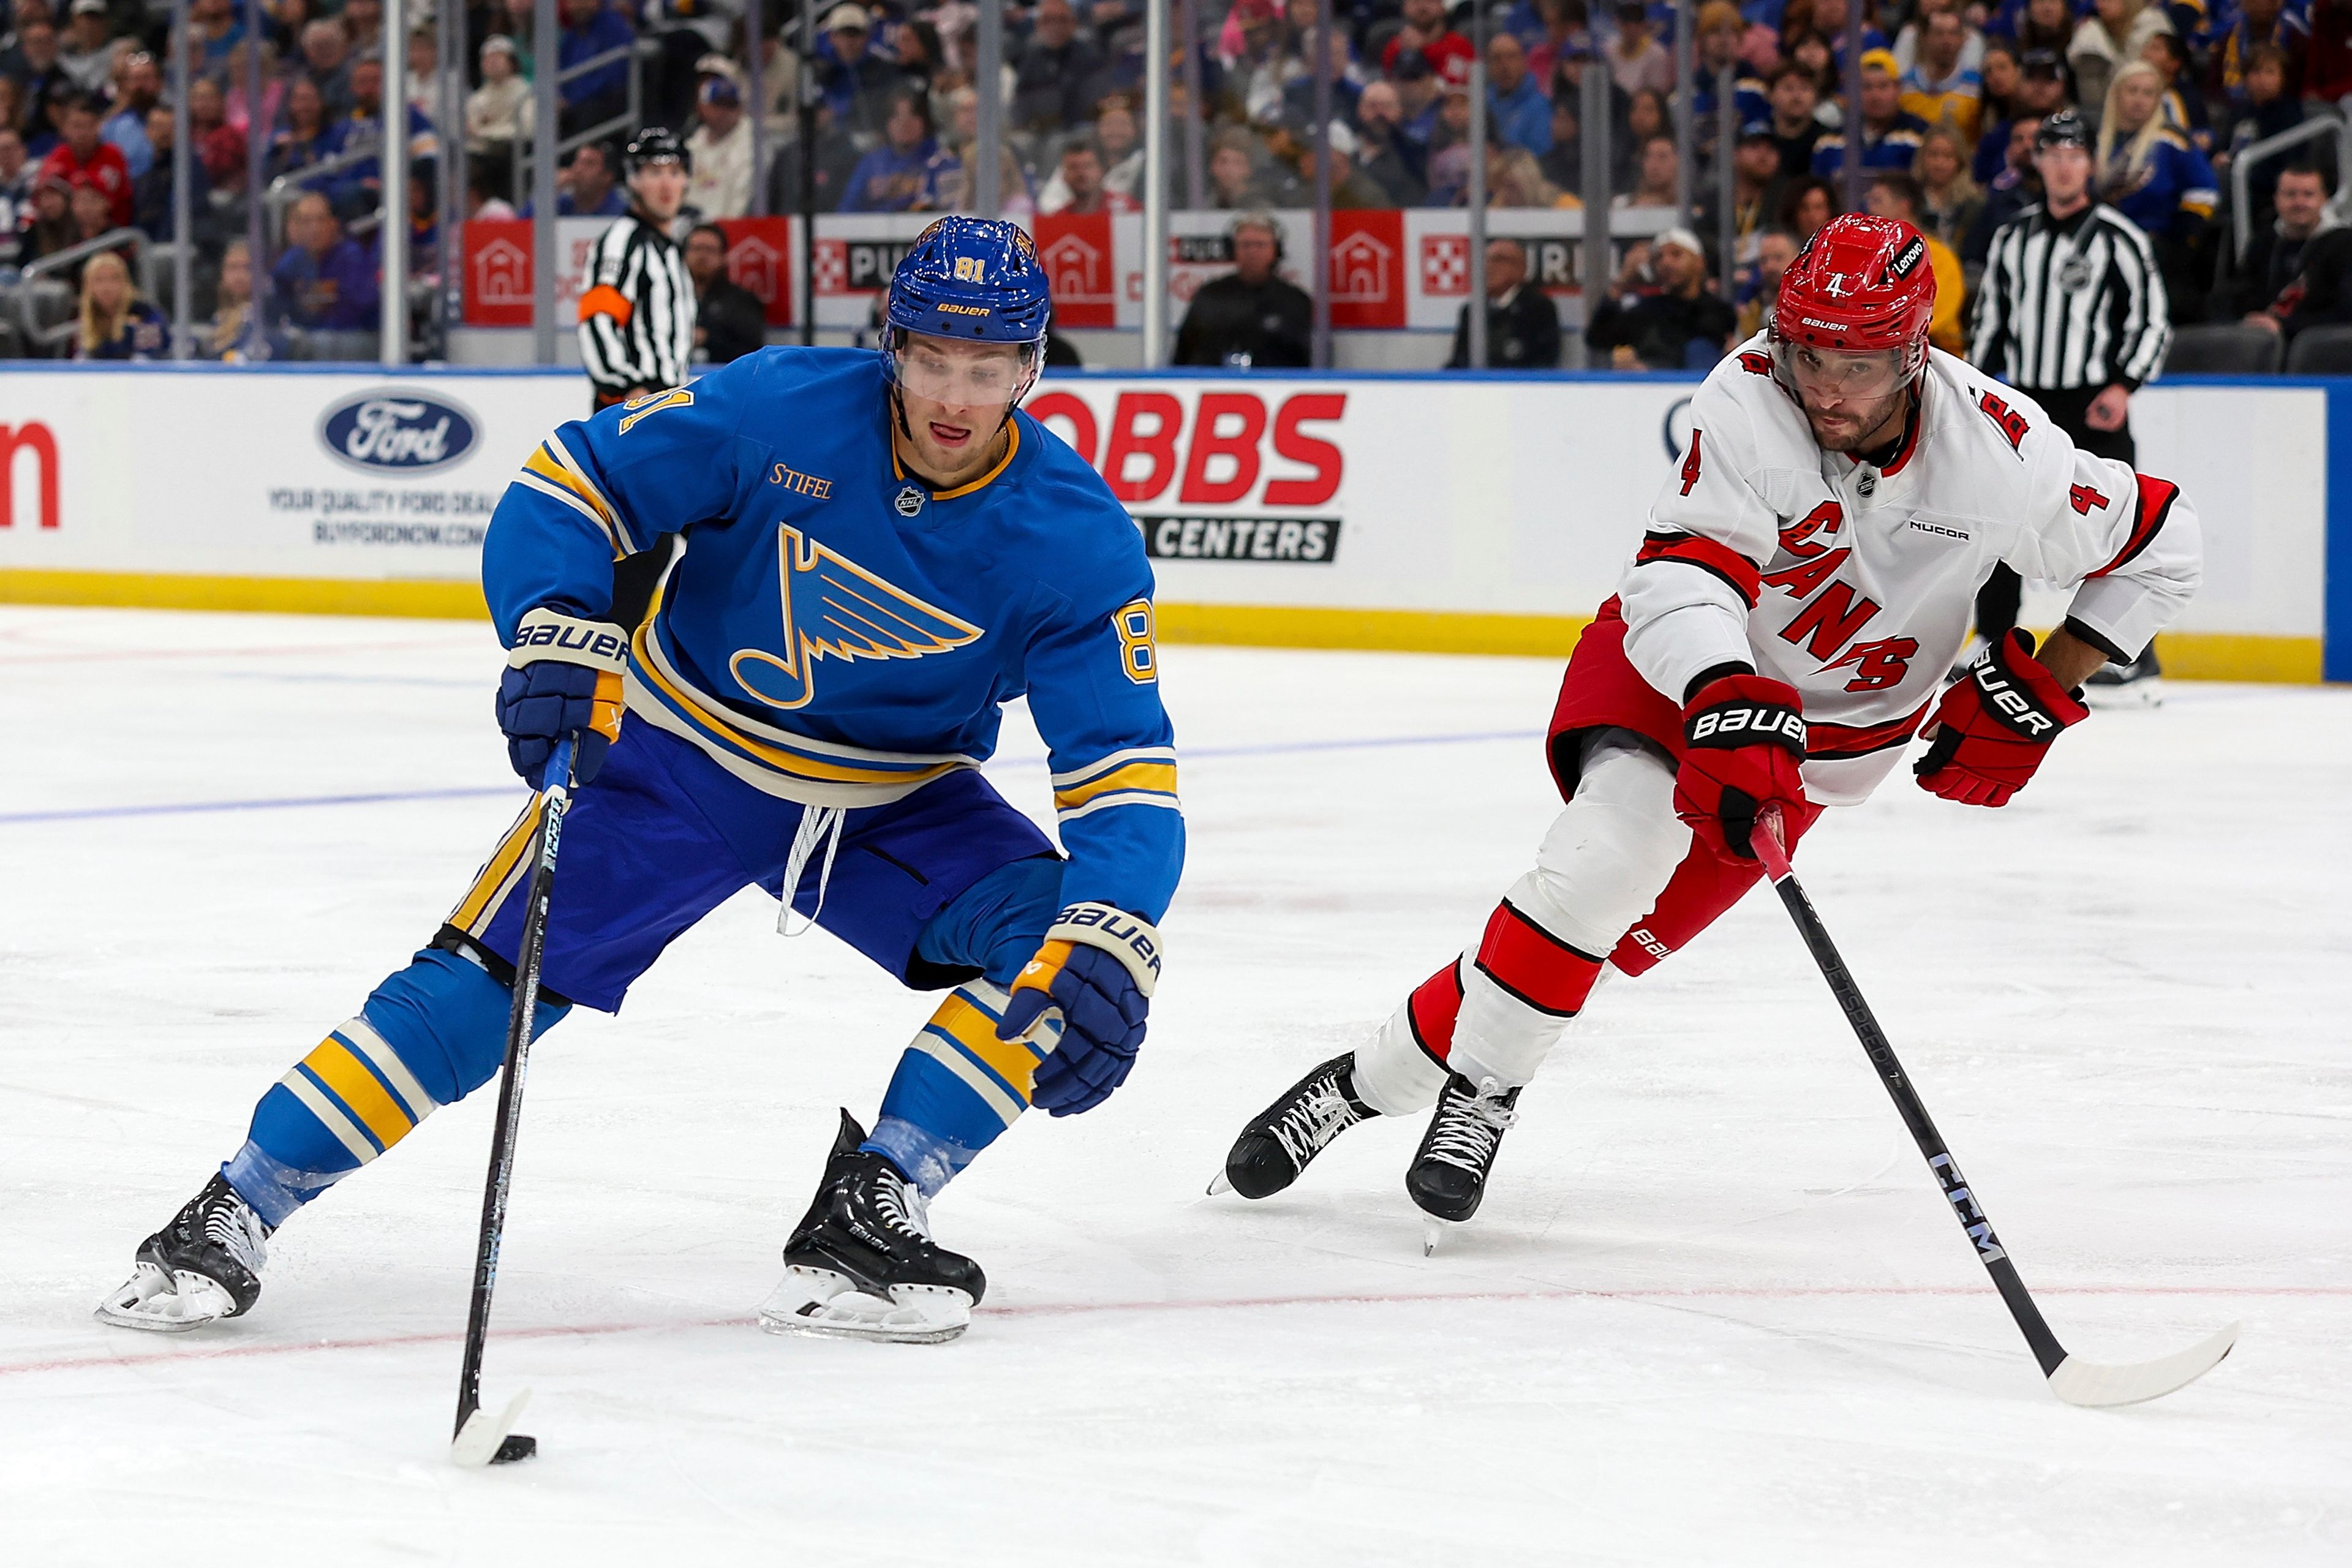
x=236, y=1230
x=900, y=1206
x=1315, y=1118
x=1471, y=1127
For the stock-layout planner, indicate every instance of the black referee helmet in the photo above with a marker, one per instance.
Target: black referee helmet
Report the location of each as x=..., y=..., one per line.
x=654, y=144
x=2063, y=129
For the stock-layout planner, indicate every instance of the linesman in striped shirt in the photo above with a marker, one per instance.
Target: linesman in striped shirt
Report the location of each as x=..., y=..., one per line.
x=636, y=311
x=2071, y=308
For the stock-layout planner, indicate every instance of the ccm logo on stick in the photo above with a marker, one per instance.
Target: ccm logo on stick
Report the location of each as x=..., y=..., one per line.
x=1215, y=454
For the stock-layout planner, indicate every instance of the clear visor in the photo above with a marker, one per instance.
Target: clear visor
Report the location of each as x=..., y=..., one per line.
x=995, y=376
x=1830, y=373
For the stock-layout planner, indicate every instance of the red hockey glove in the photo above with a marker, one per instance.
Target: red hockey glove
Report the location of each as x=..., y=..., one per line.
x=1991, y=729
x=1745, y=736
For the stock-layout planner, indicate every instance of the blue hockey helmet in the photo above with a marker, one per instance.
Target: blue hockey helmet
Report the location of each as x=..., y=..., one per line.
x=975, y=279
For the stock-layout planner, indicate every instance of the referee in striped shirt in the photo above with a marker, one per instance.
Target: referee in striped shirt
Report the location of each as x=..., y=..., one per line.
x=2071, y=308
x=636, y=311
x=636, y=320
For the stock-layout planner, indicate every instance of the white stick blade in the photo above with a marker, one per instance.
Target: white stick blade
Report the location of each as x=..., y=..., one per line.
x=2079, y=1382
x=483, y=1432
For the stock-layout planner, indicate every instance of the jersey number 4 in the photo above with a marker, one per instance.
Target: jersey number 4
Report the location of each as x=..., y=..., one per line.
x=1690, y=465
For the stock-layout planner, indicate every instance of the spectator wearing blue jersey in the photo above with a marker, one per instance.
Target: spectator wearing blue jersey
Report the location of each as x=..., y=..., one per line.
x=2146, y=170
x=324, y=282
x=116, y=323
x=2184, y=101
x=308, y=137
x=592, y=29
x=1890, y=138
x=1828, y=24
x=908, y=172
x=1518, y=113
x=2261, y=22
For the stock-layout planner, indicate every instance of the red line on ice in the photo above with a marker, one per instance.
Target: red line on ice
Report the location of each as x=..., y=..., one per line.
x=1073, y=1309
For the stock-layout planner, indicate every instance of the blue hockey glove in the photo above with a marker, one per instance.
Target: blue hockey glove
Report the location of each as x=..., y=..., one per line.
x=1098, y=966
x=562, y=677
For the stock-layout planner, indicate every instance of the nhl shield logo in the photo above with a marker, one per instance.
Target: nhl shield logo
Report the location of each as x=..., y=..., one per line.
x=909, y=500
x=2075, y=274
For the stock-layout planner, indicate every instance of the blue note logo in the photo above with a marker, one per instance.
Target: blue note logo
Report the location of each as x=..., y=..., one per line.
x=397, y=431
x=834, y=608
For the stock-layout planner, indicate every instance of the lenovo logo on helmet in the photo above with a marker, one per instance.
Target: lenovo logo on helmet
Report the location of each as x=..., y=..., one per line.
x=1910, y=258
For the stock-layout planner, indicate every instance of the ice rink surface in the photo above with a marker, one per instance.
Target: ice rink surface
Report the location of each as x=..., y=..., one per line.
x=1713, y=1311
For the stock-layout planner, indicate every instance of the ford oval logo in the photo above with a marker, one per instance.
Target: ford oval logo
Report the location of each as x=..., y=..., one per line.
x=394, y=431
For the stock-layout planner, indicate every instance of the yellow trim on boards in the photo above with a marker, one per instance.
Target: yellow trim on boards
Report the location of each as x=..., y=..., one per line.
x=436, y=601
x=2189, y=656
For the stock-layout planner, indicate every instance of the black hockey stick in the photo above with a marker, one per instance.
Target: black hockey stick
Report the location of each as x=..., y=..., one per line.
x=482, y=1439
x=2071, y=1379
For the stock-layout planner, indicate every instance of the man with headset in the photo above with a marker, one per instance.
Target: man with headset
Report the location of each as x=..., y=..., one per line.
x=1249, y=317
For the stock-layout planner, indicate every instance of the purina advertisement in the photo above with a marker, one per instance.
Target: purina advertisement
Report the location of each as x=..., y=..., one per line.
x=1256, y=497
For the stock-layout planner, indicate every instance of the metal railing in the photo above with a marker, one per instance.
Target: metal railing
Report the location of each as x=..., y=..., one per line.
x=2241, y=170
x=135, y=239
x=293, y=186
x=566, y=146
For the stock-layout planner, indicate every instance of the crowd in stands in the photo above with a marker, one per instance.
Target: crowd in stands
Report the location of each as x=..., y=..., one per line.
x=1951, y=93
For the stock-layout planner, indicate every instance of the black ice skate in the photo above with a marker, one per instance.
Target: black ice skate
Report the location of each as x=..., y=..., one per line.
x=863, y=1266
x=204, y=1266
x=1272, y=1150
x=1449, y=1173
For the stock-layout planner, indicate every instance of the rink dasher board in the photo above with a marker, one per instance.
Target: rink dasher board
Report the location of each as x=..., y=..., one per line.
x=1477, y=513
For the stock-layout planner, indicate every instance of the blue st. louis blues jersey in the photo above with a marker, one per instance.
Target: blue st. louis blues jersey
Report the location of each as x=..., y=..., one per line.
x=835, y=633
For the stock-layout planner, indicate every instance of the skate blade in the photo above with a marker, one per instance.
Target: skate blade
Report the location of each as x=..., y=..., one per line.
x=822, y=1304
x=1433, y=1231
x=484, y=1439
x=1218, y=1185
x=158, y=1303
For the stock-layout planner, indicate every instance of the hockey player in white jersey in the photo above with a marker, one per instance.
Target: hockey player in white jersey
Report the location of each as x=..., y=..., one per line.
x=1807, y=578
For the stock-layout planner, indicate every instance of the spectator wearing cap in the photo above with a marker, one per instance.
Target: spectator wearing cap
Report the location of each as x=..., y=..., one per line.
x=83, y=157
x=498, y=111
x=1419, y=100
x=86, y=49
x=729, y=320
x=2298, y=272
x=2040, y=90
x=1383, y=153
x=126, y=126
x=1797, y=129
x=592, y=28
x=1680, y=326
x=1757, y=187
x=324, y=282
x=1516, y=110
x=721, y=151
x=1890, y=138
x=1053, y=71
x=858, y=84
x=1522, y=323
x=1077, y=185
x=1896, y=195
x=1938, y=88
x=908, y=172
x=2106, y=41
x=1251, y=317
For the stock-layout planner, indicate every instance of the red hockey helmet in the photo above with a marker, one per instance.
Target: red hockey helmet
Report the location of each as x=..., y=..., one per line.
x=1860, y=286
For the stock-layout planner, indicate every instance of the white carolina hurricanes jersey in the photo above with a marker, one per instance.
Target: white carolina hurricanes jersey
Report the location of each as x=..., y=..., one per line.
x=1856, y=583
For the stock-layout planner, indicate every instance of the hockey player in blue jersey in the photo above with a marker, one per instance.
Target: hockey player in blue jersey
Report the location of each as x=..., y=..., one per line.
x=878, y=550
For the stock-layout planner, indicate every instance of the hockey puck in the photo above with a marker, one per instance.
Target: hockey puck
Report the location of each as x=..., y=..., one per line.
x=516, y=1447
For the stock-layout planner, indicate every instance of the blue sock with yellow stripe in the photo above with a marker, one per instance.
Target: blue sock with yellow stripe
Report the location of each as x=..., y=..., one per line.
x=429, y=1035
x=958, y=1088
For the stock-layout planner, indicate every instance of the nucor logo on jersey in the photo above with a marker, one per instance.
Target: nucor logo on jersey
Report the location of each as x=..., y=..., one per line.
x=1217, y=448
x=402, y=433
